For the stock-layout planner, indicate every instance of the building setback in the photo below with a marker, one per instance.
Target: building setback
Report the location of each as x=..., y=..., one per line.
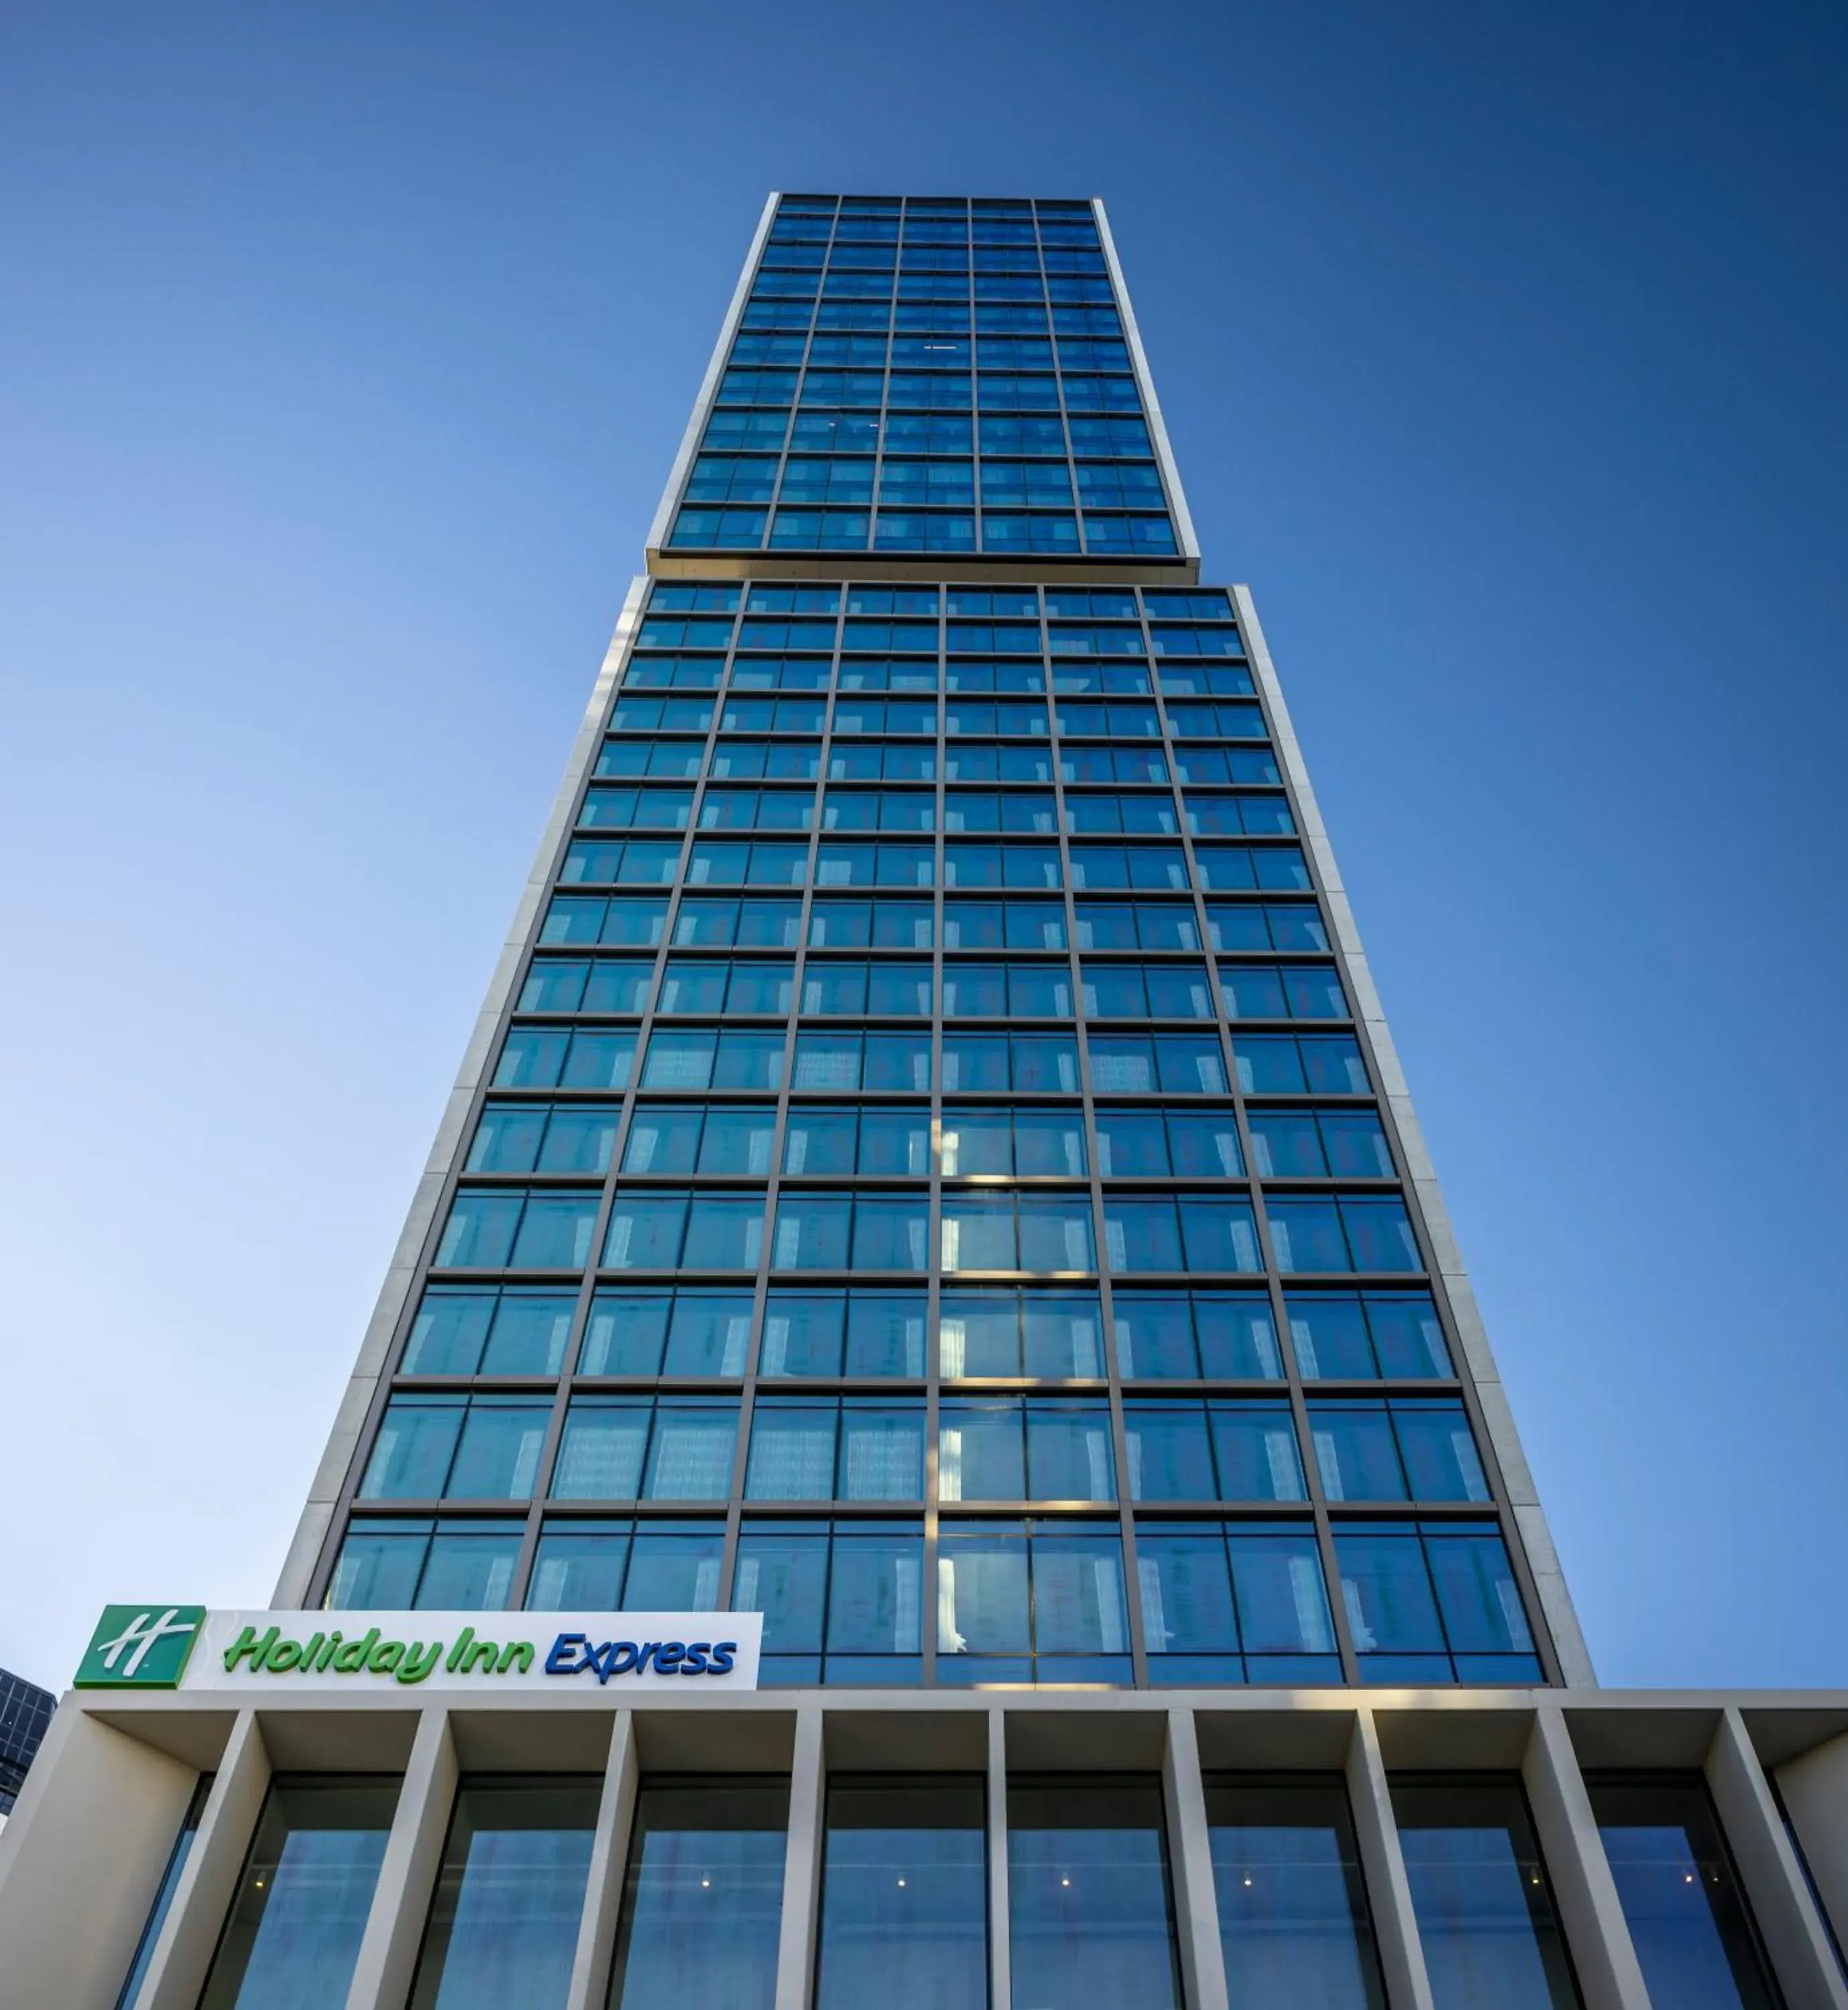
x=926, y=1434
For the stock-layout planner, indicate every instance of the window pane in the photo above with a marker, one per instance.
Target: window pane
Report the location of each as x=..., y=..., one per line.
x=792, y=1452
x=882, y=1453
x=982, y=1451
x=600, y=1456
x=627, y=1334
x=300, y=1906
x=802, y=1335
x=1283, y=1604
x=411, y=1455
x=1171, y=1456
x=580, y=1567
x=498, y=1456
x=904, y=1896
x=1091, y=1919
x=470, y=1567
x=1068, y=1452
x=709, y=1333
x=875, y=1593
x=1682, y=1901
x=703, y=1902
x=1479, y=1889
x=690, y=1455
x=504, y=1922
x=1292, y=1908
x=982, y=1595
x=1255, y=1445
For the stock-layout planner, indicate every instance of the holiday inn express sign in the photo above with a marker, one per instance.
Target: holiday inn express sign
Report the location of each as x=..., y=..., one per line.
x=186, y=1647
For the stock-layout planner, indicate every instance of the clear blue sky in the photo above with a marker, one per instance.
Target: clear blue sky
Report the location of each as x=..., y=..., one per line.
x=343, y=350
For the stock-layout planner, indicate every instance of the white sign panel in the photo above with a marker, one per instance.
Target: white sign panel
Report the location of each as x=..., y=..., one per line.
x=683, y=1652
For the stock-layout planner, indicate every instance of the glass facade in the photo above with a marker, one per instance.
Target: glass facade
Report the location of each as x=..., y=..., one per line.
x=935, y=1140
x=931, y=377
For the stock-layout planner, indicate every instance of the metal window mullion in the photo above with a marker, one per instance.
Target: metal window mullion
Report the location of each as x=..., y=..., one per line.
x=1139, y=1657
x=976, y=448
x=795, y=404
x=773, y=1186
x=885, y=400
x=934, y=1220
x=1273, y=1282
x=607, y=1202
x=1058, y=379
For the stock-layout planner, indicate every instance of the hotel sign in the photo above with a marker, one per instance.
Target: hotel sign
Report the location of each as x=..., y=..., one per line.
x=186, y=1647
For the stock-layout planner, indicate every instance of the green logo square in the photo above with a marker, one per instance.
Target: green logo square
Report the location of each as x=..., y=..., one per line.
x=141, y=1647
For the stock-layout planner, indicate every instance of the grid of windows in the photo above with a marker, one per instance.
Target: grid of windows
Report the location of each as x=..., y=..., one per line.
x=932, y=1102
x=924, y=378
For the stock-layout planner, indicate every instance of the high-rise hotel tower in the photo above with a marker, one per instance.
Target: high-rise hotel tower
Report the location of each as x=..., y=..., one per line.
x=926, y=1440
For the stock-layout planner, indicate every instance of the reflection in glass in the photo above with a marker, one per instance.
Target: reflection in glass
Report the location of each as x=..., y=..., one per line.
x=904, y=1896
x=503, y=1924
x=703, y=1903
x=1292, y=1909
x=1479, y=1889
x=1090, y=1913
x=1681, y=1898
x=294, y=1932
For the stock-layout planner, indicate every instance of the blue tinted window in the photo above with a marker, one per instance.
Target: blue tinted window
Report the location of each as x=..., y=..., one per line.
x=503, y=1924
x=1682, y=1901
x=1091, y=1916
x=702, y=1852
x=1479, y=1889
x=299, y=1909
x=1293, y=1920
x=903, y=1895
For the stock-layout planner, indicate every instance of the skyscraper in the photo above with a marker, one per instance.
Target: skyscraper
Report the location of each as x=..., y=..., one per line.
x=927, y=1391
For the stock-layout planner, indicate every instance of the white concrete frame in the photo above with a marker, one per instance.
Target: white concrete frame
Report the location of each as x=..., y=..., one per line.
x=81, y=1861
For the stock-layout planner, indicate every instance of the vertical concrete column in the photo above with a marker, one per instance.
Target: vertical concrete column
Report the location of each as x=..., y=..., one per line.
x=801, y=1864
x=182, y=1956
x=1578, y=1870
x=1794, y=1935
x=1000, y=1955
x=407, y=1877
x=82, y=1859
x=609, y=1860
x=1815, y=1791
x=1395, y=1925
x=1196, y=1911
